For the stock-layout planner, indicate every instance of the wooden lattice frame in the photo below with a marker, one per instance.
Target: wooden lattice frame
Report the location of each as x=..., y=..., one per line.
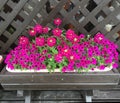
x=84, y=16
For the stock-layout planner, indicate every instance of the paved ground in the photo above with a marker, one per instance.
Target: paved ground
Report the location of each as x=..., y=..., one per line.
x=59, y=96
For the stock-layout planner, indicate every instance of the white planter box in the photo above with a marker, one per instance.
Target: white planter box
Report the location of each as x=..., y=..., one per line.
x=56, y=70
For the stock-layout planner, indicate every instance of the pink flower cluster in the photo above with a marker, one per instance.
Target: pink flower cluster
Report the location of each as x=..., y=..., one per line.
x=23, y=41
x=67, y=51
x=27, y=57
x=38, y=29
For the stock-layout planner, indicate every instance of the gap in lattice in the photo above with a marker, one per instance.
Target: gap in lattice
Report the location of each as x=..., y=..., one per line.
x=11, y=29
x=68, y=26
x=3, y=38
x=79, y=16
x=113, y=4
x=69, y=6
x=18, y=17
x=15, y=1
x=89, y=26
x=79, y=33
x=100, y=16
x=1, y=19
x=118, y=36
x=50, y=5
x=91, y=5
x=7, y=8
x=59, y=15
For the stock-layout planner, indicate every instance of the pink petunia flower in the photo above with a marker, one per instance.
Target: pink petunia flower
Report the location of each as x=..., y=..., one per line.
x=59, y=47
x=75, y=39
x=94, y=61
x=32, y=32
x=115, y=65
x=40, y=41
x=57, y=21
x=58, y=57
x=43, y=66
x=81, y=36
x=64, y=69
x=44, y=52
x=71, y=58
x=102, y=67
x=51, y=41
x=98, y=38
x=57, y=32
x=23, y=41
x=49, y=56
x=65, y=51
x=109, y=60
x=70, y=68
x=38, y=28
x=11, y=66
x=45, y=30
x=70, y=34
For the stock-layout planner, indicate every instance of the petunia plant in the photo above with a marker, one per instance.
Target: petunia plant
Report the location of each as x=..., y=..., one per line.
x=62, y=50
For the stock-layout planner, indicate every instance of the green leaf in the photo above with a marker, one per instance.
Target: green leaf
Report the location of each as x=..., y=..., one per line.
x=54, y=50
x=79, y=70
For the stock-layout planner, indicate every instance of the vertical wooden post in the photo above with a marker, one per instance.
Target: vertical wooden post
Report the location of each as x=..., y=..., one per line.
x=28, y=96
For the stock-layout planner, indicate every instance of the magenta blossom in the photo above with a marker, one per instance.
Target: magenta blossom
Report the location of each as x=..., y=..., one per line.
x=64, y=69
x=57, y=32
x=65, y=51
x=98, y=38
x=58, y=57
x=94, y=61
x=23, y=40
x=38, y=28
x=49, y=56
x=75, y=39
x=71, y=58
x=70, y=34
x=57, y=21
x=81, y=36
x=115, y=65
x=44, y=52
x=40, y=41
x=102, y=67
x=109, y=60
x=32, y=32
x=51, y=41
x=45, y=30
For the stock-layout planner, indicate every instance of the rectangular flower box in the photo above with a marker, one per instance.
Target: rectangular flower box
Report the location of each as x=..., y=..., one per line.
x=59, y=81
x=82, y=62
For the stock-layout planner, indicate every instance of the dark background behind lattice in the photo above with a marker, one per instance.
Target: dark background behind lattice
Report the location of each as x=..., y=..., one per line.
x=84, y=16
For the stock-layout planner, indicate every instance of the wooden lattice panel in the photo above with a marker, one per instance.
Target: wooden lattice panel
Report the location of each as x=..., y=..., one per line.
x=84, y=16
